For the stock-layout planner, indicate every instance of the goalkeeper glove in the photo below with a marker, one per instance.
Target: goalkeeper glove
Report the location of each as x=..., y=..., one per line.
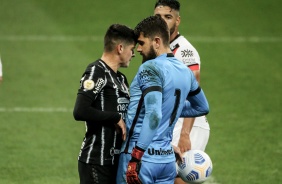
x=134, y=166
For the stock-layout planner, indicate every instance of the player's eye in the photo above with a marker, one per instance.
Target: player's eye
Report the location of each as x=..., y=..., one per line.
x=141, y=43
x=168, y=17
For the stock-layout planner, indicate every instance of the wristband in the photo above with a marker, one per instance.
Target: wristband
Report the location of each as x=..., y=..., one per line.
x=137, y=153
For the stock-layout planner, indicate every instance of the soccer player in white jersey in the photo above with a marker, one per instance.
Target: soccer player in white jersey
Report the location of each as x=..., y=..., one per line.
x=147, y=155
x=189, y=133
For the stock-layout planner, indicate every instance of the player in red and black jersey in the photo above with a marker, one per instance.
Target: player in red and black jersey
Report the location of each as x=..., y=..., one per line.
x=188, y=133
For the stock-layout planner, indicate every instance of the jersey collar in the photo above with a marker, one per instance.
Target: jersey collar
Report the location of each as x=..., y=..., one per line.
x=175, y=37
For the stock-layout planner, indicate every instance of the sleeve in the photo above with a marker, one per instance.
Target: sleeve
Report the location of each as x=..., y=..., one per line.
x=91, y=83
x=196, y=104
x=150, y=82
x=83, y=111
x=188, y=55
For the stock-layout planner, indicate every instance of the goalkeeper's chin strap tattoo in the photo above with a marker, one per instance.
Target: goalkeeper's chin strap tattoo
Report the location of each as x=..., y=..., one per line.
x=134, y=166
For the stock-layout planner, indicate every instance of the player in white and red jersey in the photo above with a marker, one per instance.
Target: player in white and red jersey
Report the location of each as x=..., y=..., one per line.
x=189, y=133
x=184, y=51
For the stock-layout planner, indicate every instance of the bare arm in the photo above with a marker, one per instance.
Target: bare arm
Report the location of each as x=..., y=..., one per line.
x=184, y=142
x=197, y=75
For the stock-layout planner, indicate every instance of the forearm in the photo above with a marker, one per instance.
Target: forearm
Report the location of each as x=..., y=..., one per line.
x=83, y=111
x=153, y=116
x=184, y=142
x=187, y=126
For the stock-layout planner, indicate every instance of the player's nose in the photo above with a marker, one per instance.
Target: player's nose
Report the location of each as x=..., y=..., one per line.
x=139, y=48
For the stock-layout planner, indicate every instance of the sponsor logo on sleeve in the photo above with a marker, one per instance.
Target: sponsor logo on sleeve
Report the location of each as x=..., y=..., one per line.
x=187, y=53
x=188, y=57
x=98, y=85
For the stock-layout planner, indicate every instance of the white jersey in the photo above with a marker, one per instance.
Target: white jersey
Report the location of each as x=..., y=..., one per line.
x=184, y=51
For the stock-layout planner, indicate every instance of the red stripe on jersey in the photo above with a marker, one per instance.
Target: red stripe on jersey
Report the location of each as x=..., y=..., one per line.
x=194, y=67
x=174, y=51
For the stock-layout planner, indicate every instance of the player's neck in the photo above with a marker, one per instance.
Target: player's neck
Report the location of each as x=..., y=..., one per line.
x=111, y=60
x=174, y=35
x=164, y=50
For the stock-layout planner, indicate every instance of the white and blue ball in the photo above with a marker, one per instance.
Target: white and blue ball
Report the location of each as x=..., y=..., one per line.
x=196, y=166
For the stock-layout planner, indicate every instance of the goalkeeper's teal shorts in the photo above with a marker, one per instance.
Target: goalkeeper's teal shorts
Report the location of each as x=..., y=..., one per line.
x=161, y=173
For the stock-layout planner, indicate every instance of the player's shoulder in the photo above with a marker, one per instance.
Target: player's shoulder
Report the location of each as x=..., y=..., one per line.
x=148, y=65
x=99, y=65
x=181, y=43
x=152, y=66
x=93, y=64
x=153, y=62
x=96, y=68
x=185, y=51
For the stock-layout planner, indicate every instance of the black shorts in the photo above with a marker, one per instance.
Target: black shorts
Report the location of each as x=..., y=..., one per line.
x=94, y=174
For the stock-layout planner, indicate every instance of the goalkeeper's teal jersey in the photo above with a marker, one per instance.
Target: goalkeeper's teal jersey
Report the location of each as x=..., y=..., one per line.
x=157, y=97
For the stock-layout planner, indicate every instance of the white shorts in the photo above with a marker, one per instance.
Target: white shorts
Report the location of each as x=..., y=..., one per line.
x=199, y=136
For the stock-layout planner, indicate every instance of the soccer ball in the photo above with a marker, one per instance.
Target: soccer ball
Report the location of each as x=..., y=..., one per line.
x=196, y=167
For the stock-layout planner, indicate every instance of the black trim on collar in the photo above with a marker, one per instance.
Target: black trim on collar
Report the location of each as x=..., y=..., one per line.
x=175, y=38
x=169, y=55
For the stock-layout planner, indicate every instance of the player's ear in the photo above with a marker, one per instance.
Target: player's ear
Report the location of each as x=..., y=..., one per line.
x=119, y=48
x=157, y=42
x=178, y=20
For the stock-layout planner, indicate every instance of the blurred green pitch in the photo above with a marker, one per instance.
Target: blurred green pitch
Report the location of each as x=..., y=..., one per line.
x=45, y=46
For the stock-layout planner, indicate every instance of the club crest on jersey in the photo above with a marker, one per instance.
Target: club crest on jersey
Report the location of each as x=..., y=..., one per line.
x=88, y=84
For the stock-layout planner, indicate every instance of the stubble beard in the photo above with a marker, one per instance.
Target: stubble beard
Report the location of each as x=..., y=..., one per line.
x=151, y=55
x=172, y=29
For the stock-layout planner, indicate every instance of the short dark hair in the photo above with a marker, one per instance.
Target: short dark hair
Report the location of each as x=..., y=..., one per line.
x=117, y=33
x=173, y=4
x=153, y=26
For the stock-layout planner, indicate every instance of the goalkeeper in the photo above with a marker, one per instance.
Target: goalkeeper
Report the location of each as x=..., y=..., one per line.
x=157, y=100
